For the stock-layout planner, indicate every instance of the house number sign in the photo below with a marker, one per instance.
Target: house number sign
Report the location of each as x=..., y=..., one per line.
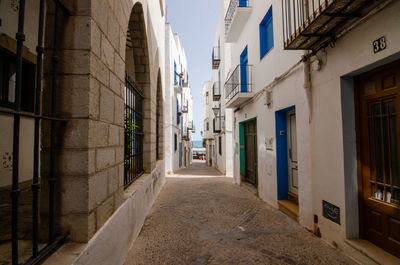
x=379, y=44
x=331, y=212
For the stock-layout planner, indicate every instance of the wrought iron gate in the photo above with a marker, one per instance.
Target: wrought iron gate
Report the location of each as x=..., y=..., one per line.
x=133, y=157
x=17, y=113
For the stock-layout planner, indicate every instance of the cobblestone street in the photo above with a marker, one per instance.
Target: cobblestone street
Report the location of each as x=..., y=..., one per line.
x=201, y=217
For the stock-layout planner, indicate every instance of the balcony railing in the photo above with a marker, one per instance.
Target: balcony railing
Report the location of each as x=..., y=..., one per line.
x=240, y=81
x=184, y=109
x=312, y=24
x=178, y=87
x=217, y=124
x=216, y=91
x=185, y=134
x=189, y=125
x=237, y=14
x=216, y=57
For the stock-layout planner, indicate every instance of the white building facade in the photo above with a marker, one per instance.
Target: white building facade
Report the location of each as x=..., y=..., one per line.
x=178, y=106
x=298, y=86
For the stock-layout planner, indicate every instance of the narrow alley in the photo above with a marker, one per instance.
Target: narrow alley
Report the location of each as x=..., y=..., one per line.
x=201, y=217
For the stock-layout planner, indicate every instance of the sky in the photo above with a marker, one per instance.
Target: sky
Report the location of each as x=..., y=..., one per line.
x=195, y=22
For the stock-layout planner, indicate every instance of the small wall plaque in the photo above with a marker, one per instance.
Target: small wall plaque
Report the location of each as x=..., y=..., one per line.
x=379, y=44
x=331, y=212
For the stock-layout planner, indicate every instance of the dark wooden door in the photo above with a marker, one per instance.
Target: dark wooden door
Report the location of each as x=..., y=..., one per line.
x=250, y=143
x=378, y=132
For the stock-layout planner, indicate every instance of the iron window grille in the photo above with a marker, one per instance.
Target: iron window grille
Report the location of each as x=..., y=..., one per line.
x=216, y=90
x=8, y=80
x=217, y=124
x=240, y=81
x=133, y=157
x=19, y=99
x=216, y=58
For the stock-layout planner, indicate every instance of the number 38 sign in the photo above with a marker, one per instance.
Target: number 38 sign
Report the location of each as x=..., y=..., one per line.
x=379, y=44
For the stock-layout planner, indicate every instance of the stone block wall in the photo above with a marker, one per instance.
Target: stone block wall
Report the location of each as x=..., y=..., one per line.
x=90, y=97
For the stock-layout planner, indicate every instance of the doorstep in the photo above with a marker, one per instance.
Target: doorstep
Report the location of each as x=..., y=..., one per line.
x=289, y=208
x=373, y=252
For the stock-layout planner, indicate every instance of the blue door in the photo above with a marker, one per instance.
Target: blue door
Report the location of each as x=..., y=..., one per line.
x=243, y=3
x=243, y=70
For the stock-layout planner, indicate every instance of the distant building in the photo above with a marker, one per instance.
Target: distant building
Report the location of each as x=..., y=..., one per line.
x=178, y=107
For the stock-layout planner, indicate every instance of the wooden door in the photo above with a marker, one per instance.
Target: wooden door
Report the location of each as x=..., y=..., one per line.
x=292, y=152
x=378, y=133
x=250, y=143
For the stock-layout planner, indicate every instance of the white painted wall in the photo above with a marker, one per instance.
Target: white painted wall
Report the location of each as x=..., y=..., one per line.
x=327, y=162
x=174, y=52
x=332, y=174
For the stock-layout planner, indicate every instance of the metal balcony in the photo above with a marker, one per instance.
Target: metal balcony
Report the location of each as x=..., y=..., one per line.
x=313, y=24
x=216, y=58
x=177, y=87
x=189, y=125
x=235, y=19
x=185, y=135
x=217, y=124
x=216, y=91
x=184, y=109
x=239, y=86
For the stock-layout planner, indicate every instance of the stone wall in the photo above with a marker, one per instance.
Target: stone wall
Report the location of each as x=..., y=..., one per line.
x=90, y=144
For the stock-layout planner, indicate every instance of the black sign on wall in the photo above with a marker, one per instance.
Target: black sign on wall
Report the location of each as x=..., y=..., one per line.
x=331, y=212
x=379, y=44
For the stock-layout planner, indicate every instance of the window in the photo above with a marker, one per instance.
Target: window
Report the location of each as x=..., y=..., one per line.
x=266, y=34
x=220, y=145
x=175, y=74
x=207, y=97
x=208, y=126
x=133, y=132
x=8, y=70
x=175, y=142
x=243, y=3
x=178, y=116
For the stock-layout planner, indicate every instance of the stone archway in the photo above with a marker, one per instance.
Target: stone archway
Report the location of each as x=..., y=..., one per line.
x=137, y=66
x=159, y=119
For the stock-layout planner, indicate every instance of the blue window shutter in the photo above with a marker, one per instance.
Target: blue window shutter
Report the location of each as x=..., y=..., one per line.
x=175, y=73
x=270, y=34
x=266, y=34
x=177, y=112
x=244, y=59
x=243, y=3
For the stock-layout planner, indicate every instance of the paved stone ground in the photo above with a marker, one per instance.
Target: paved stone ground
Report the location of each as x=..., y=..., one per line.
x=201, y=217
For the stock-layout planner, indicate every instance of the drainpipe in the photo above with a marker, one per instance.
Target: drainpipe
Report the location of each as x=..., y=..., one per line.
x=307, y=80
